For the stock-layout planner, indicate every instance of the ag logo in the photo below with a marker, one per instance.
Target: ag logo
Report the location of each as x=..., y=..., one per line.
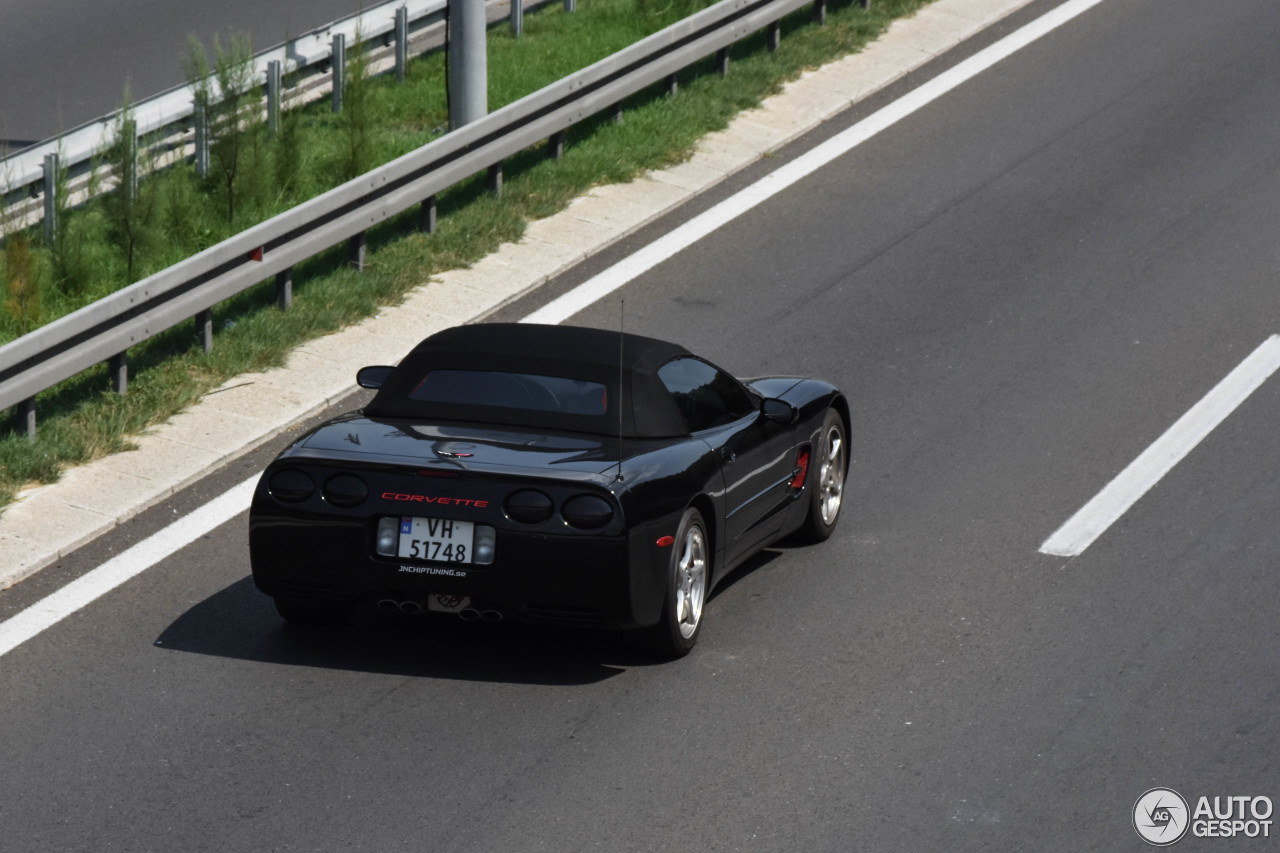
x=1160, y=816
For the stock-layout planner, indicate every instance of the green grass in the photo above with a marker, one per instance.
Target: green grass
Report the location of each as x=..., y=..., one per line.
x=82, y=419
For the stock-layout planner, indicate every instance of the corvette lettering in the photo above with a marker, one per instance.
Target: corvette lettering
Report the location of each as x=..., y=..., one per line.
x=427, y=499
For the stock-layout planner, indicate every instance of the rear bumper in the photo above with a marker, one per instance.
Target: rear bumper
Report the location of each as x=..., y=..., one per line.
x=580, y=580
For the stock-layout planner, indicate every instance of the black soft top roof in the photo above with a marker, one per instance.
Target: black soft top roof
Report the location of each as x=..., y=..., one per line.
x=572, y=352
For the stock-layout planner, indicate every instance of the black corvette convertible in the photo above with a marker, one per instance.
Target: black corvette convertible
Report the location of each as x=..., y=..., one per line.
x=551, y=474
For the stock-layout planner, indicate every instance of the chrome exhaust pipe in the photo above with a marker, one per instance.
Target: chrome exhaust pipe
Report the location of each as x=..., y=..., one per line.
x=413, y=608
x=388, y=605
x=470, y=614
x=491, y=615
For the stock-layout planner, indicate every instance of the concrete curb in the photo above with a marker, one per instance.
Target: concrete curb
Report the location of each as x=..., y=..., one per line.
x=50, y=521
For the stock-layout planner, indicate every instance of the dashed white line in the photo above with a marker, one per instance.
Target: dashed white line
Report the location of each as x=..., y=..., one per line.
x=1095, y=517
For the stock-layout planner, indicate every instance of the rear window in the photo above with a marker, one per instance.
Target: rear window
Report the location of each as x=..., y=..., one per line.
x=512, y=391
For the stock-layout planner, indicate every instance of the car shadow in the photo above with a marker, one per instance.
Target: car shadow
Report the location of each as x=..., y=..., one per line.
x=241, y=623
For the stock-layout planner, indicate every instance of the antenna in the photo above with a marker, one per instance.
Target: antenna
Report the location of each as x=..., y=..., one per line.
x=622, y=317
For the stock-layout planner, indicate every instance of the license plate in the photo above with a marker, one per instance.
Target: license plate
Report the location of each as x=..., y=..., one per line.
x=442, y=540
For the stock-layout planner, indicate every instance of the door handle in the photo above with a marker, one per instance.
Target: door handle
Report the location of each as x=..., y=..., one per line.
x=727, y=454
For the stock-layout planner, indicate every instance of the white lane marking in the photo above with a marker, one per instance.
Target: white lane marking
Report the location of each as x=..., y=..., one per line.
x=604, y=283
x=56, y=607
x=1093, y=519
x=127, y=564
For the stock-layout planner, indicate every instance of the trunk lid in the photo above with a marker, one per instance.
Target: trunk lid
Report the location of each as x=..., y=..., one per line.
x=462, y=447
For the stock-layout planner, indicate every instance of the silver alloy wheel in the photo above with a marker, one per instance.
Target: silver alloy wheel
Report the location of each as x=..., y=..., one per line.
x=691, y=580
x=831, y=477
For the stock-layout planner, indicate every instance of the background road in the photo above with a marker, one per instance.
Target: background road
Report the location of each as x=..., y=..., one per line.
x=1019, y=287
x=66, y=62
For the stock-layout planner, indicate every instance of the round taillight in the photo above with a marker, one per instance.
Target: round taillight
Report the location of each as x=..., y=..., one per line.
x=345, y=490
x=290, y=485
x=528, y=506
x=587, y=512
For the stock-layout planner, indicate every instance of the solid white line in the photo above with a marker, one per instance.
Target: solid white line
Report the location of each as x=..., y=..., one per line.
x=604, y=283
x=128, y=564
x=1133, y=482
x=111, y=574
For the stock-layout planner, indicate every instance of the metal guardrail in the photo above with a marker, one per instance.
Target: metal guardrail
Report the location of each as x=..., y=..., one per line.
x=165, y=120
x=105, y=330
x=309, y=52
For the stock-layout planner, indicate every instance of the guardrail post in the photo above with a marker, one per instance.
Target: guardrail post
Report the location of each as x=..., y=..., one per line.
x=571, y=5
x=774, y=37
x=402, y=42
x=284, y=289
x=427, y=215
x=517, y=18
x=273, y=97
x=555, y=145
x=722, y=61
x=338, y=62
x=200, y=113
x=27, y=417
x=617, y=113
x=866, y=4
x=204, y=329
x=51, y=198
x=356, y=250
x=118, y=369
x=819, y=11
x=673, y=85
x=495, y=179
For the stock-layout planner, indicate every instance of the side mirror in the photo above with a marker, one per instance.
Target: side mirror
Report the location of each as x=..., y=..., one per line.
x=373, y=377
x=779, y=411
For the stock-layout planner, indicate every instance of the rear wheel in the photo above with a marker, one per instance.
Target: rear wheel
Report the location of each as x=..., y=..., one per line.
x=826, y=494
x=688, y=575
x=310, y=613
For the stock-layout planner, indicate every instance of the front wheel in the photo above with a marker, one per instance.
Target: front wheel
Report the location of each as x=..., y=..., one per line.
x=688, y=575
x=826, y=492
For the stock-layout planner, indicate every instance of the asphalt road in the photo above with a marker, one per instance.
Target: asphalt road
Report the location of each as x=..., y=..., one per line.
x=66, y=62
x=1020, y=287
